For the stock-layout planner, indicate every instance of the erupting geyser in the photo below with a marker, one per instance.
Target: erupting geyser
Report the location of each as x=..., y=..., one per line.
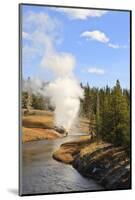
x=64, y=91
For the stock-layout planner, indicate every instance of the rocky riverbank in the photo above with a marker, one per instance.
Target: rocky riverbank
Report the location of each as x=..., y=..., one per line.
x=108, y=165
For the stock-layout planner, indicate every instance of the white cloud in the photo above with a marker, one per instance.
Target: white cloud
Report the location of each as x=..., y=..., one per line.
x=41, y=20
x=101, y=37
x=29, y=52
x=117, y=46
x=81, y=14
x=42, y=31
x=95, y=35
x=39, y=26
x=95, y=70
x=114, y=46
x=25, y=35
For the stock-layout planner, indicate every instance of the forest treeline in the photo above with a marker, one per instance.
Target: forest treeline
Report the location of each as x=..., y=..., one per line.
x=108, y=111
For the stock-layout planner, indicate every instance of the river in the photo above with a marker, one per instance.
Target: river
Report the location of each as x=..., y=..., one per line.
x=42, y=174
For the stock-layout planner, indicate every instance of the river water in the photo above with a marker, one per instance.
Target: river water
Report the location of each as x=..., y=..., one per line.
x=42, y=174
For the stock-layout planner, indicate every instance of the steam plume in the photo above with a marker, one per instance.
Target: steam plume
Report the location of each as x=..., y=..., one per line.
x=64, y=91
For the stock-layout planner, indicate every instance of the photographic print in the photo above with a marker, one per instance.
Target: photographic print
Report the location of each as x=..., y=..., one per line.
x=75, y=99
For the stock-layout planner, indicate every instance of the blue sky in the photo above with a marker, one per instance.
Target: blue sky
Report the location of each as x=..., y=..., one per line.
x=99, y=42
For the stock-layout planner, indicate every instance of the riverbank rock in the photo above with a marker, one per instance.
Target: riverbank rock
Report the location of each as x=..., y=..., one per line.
x=108, y=165
x=61, y=130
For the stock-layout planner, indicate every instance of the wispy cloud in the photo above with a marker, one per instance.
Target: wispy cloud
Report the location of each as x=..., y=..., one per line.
x=29, y=53
x=25, y=35
x=95, y=35
x=81, y=14
x=117, y=46
x=41, y=20
x=42, y=32
x=95, y=70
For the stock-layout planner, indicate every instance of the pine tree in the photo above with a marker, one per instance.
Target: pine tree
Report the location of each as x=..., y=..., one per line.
x=98, y=125
x=121, y=117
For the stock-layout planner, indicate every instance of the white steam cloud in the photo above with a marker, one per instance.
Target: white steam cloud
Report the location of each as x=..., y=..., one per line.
x=64, y=91
x=61, y=64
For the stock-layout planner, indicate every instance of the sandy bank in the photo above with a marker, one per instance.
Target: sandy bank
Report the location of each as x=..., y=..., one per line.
x=32, y=134
x=39, y=126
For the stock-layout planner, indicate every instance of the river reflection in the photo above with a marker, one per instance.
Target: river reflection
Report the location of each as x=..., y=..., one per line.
x=42, y=174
